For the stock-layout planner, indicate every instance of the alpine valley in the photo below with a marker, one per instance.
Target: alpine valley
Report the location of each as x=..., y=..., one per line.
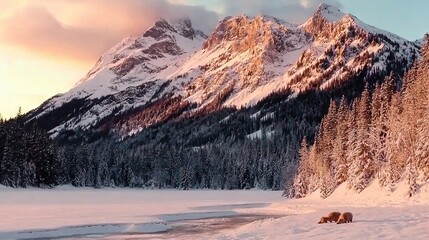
x=175, y=108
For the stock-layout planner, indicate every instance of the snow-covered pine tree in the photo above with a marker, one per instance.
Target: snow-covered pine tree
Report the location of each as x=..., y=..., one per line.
x=352, y=137
x=410, y=176
x=362, y=169
x=14, y=163
x=186, y=175
x=80, y=166
x=385, y=174
x=415, y=107
x=300, y=184
x=340, y=143
x=422, y=148
x=328, y=164
x=379, y=124
x=314, y=177
x=396, y=158
x=42, y=154
x=2, y=143
x=376, y=135
x=329, y=133
x=422, y=145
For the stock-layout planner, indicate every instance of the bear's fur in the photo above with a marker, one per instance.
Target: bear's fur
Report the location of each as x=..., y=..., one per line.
x=323, y=220
x=345, y=218
x=332, y=217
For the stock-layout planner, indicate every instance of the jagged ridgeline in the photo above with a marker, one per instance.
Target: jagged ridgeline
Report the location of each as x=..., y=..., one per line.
x=382, y=135
x=175, y=108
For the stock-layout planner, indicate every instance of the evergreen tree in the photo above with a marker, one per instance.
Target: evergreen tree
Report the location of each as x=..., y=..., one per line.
x=2, y=143
x=352, y=136
x=396, y=158
x=314, y=177
x=422, y=145
x=328, y=165
x=42, y=155
x=422, y=151
x=378, y=128
x=362, y=169
x=79, y=166
x=411, y=178
x=14, y=158
x=339, y=152
x=415, y=106
x=300, y=185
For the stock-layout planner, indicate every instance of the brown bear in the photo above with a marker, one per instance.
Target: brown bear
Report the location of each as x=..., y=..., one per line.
x=345, y=218
x=332, y=217
x=323, y=220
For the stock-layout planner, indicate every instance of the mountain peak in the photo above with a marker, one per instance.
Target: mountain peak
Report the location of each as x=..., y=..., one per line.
x=323, y=20
x=185, y=22
x=329, y=13
x=328, y=21
x=182, y=26
x=248, y=31
x=325, y=6
x=160, y=27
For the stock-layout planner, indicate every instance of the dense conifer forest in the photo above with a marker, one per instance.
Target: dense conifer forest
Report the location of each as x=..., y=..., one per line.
x=27, y=155
x=382, y=135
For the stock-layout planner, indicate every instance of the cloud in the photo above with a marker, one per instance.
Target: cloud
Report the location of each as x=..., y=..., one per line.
x=35, y=29
x=83, y=30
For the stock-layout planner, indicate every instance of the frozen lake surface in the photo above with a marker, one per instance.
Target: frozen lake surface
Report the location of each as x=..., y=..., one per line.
x=68, y=212
x=86, y=213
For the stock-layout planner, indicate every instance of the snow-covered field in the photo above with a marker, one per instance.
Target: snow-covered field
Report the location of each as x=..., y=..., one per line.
x=83, y=213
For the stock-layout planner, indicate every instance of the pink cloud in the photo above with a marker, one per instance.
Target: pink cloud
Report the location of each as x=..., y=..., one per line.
x=83, y=30
x=100, y=25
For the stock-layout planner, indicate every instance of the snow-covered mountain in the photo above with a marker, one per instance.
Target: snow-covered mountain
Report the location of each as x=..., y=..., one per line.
x=130, y=74
x=242, y=61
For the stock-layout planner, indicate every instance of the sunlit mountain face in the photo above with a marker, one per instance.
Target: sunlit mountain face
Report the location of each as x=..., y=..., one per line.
x=244, y=60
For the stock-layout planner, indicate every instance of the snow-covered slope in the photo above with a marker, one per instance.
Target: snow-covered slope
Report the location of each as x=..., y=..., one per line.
x=244, y=60
x=141, y=59
x=130, y=74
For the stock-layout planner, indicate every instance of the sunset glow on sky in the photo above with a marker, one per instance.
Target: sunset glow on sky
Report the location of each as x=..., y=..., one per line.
x=47, y=46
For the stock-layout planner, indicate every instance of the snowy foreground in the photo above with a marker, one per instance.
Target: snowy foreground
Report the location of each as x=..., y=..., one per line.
x=84, y=213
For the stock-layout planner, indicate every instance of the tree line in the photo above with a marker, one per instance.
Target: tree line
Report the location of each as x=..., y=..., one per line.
x=27, y=155
x=381, y=135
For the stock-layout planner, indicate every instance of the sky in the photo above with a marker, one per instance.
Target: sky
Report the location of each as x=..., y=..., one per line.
x=47, y=46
